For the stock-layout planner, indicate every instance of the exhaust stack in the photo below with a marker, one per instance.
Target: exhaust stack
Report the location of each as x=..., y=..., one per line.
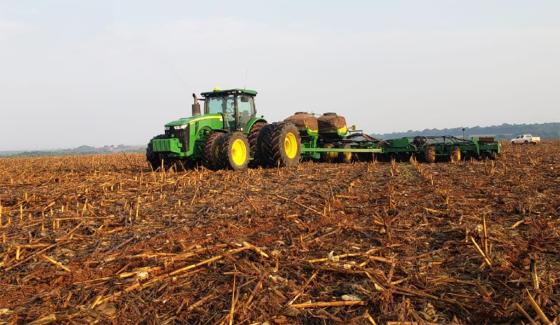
x=195, y=106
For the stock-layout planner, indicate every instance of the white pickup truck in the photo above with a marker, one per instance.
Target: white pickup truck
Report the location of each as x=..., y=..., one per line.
x=525, y=139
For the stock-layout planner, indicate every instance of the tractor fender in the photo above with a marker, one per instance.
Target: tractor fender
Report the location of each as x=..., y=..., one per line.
x=252, y=122
x=204, y=131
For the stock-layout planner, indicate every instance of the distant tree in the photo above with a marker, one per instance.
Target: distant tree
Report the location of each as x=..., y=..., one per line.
x=503, y=131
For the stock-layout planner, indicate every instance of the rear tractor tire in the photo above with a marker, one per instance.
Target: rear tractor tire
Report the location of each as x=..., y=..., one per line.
x=235, y=151
x=253, y=138
x=279, y=145
x=212, y=159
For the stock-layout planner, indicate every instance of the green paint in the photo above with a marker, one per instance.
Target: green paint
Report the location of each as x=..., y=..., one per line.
x=167, y=145
x=187, y=120
x=234, y=91
x=252, y=122
x=373, y=150
x=194, y=130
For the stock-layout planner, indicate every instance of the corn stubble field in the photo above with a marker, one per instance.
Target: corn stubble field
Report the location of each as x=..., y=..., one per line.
x=104, y=239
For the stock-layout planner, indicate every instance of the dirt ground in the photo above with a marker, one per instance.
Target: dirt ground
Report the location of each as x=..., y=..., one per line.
x=103, y=239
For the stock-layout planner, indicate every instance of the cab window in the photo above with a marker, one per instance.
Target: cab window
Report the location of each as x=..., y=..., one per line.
x=246, y=107
x=220, y=105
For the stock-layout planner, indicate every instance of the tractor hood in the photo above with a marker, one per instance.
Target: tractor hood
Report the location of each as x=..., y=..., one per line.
x=187, y=120
x=179, y=122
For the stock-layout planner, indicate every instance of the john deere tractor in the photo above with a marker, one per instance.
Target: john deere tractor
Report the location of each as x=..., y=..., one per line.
x=228, y=134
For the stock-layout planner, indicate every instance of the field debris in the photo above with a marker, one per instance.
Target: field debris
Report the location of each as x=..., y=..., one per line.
x=104, y=239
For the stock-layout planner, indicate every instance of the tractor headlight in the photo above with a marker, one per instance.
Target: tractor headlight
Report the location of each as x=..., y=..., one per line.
x=180, y=127
x=167, y=128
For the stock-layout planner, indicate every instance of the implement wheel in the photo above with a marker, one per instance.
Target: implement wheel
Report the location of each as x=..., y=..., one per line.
x=430, y=154
x=456, y=154
x=279, y=144
x=235, y=151
x=253, y=138
x=212, y=159
x=329, y=157
x=345, y=157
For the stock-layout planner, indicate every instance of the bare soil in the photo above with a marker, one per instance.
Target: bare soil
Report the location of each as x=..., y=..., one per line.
x=103, y=238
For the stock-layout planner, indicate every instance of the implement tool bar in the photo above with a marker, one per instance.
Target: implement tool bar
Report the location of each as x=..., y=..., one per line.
x=373, y=150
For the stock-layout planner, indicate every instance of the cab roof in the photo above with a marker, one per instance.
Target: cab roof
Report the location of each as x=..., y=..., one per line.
x=235, y=91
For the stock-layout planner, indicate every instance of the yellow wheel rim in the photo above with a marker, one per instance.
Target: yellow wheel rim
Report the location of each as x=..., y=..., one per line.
x=431, y=154
x=290, y=145
x=457, y=155
x=238, y=152
x=330, y=155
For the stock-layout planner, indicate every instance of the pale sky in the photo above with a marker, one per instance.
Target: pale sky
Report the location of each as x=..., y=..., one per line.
x=114, y=72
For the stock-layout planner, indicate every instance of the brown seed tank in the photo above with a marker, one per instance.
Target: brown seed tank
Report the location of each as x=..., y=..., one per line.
x=304, y=121
x=332, y=123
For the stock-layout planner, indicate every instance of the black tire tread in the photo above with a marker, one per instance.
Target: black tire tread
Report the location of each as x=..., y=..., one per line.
x=430, y=154
x=253, y=138
x=212, y=160
x=225, y=152
x=152, y=157
x=270, y=145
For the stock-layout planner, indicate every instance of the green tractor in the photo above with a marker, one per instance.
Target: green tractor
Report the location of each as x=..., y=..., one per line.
x=227, y=135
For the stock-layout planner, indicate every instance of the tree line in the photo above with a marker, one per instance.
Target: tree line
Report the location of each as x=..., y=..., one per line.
x=504, y=131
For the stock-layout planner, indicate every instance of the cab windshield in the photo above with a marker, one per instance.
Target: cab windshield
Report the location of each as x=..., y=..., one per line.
x=227, y=106
x=220, y=105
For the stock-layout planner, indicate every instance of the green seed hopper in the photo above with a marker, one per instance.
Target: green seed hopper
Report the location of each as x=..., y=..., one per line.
x=440, y=148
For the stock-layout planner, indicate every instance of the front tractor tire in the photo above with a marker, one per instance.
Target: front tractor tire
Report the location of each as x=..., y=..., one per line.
x=212, y=147
x=279, y=145
x=235, y=151
x=153, y=158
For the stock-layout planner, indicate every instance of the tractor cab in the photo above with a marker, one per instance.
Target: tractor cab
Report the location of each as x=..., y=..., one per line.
x=226, y=133
x=236, y=105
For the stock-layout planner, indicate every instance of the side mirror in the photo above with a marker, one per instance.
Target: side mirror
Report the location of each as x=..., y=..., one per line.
x=244, y=99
